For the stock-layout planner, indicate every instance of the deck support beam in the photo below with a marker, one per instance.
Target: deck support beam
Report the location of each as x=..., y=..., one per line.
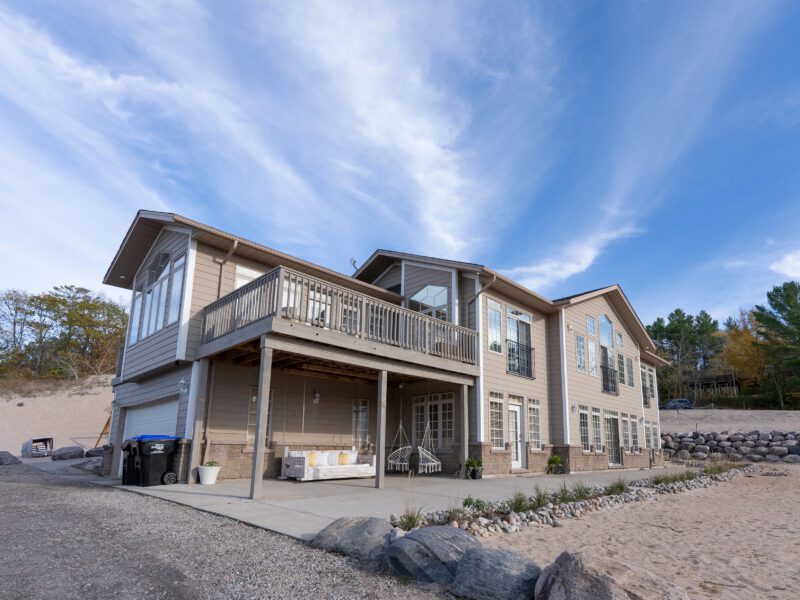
x=259, y=444
x=380, y=438
x=464, y=429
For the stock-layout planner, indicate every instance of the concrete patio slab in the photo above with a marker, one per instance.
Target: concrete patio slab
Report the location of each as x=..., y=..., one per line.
x=301, y=510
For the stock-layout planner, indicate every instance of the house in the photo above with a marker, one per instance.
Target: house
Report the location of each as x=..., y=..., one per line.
x=247, y=351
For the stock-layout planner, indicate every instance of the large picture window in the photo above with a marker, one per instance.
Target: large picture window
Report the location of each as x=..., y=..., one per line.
x=157, y=296
x=431, y=300
x=495, y=312
x=439, y=411
x=496, y=434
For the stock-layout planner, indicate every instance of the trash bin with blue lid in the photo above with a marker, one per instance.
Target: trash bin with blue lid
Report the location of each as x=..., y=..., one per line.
x=152, y=460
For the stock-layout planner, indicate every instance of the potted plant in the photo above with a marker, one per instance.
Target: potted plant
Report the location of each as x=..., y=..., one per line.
x=555, y=464
x=208, y=472
x=474, y=468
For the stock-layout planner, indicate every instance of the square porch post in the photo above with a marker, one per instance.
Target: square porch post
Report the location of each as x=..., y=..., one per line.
x=198, y=396
x=259, y=444
x=380, y=437
x=464, y=429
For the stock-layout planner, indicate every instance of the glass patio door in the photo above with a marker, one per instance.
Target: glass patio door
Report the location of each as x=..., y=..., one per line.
x=612, y=440
x=514, y=436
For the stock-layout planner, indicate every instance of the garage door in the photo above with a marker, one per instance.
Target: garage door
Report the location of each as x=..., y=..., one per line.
x=160, y=418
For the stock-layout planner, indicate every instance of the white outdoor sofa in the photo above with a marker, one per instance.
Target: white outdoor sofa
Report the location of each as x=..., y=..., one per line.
x=314, y=465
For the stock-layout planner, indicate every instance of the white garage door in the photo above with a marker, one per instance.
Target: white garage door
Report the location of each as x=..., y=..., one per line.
x=160, y=418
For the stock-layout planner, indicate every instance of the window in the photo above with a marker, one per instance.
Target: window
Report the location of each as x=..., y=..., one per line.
x=648, y=385
x=431, y=300
x=136, y=314
x=361, y=424
x=597, y=437
x=534, y=425
x=584, y=420
x=592, y=359
x=621, y=368
x=157, y=298
x=629, y=371
x=496, y=420
x=619, y=341
x=656, y=438
x=495, y=326
x=176, y=290
x=590, y=326
x=626, y=438
x=252, y=416
x=518, y=325
x=580, y=353
x=319, y=308
x=244, y=275
x=634, y=434
x=647, y=434
x=436, y=410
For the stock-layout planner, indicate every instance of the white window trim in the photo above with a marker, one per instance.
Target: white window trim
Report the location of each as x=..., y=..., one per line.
x=488, y=326
x=425, y=399
x=533, y=404
x=589, y=333
x=498, y=399
x=577, y=365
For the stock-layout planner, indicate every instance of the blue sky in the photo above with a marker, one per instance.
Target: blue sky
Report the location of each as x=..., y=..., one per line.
x=570, y=145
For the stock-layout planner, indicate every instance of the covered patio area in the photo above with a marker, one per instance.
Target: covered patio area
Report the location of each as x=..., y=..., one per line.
x=301, y=510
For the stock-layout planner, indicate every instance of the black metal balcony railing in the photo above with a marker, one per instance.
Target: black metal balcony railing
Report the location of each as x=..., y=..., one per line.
x=610, y=380
x=520, y=359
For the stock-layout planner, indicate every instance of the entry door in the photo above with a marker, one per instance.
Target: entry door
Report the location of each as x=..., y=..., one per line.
x=514, y=437
x=612, y=440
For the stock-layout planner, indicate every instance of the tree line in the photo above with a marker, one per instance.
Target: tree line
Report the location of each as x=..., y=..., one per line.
x=66, y=333
x=759, y=349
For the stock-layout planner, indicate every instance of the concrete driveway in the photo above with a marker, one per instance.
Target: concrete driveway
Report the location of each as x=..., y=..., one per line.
x=300, y=510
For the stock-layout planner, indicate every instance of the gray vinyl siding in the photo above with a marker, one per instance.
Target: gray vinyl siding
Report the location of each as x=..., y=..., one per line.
x=588, y=390
x=390, y=278
x=555, y=401
x=165, y=386
x=466, y=308
x=417, y=278
x=159, y=349
x=495, y=370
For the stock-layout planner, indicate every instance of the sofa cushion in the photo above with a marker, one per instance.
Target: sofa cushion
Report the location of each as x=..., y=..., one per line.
x=344, y=458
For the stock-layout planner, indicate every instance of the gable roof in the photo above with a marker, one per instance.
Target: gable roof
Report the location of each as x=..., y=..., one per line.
x=148, y=224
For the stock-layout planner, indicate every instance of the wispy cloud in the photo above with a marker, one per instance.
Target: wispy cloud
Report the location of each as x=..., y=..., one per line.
x=663, y=111
x=788, y=265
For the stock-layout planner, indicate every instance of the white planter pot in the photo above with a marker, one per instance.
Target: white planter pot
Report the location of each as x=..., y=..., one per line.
x=208, y=475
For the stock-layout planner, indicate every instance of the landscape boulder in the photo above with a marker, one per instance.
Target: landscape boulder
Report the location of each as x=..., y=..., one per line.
x=430, y=554
x=495, y=575
x=67, y=452
x=754, y=458
x=364, y=538
x=779, y=451
x=572, y=577
x=94, y=452
x=791, y=458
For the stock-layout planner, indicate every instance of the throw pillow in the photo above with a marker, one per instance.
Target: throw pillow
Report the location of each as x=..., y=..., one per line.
x=312, y=459
x=344, y=458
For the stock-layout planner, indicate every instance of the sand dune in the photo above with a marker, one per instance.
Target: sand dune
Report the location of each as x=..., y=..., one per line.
x=73, y=416
x=734, y=540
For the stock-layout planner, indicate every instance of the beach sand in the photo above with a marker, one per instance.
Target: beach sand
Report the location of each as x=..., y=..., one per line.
x=737, y=539
x=74, y=415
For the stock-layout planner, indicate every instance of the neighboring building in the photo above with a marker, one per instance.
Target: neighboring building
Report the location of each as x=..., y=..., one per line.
x=496, y=371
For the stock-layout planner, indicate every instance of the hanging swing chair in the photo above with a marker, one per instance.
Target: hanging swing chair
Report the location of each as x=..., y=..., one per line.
x=428, y=463
x=401, y=452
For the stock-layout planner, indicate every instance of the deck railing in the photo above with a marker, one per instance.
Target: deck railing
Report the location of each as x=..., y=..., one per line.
x=291, y=295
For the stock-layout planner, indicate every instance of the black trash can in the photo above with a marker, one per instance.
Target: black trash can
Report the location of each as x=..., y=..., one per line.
x=130, y=473
x=153, y=459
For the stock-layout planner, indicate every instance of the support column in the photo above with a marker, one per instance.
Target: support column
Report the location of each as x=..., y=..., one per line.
x=380, y=437
x=259, y=444
x=464, y=429
x=198, y=394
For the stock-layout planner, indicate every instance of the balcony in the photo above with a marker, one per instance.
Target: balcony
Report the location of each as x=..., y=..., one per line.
x=287, y=296
x=520, y=359
x=610, y=380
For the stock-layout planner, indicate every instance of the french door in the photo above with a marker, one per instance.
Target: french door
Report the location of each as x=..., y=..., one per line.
x=612, y=440
x=514, y=435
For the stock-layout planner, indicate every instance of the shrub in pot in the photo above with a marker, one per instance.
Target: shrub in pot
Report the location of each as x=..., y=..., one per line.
x=208, y=472
x=474, y=468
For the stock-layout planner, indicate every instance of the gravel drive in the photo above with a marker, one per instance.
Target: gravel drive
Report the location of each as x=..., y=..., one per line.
x=64, y=538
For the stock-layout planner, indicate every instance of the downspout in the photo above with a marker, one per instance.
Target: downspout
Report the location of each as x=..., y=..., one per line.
x=221, y=262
